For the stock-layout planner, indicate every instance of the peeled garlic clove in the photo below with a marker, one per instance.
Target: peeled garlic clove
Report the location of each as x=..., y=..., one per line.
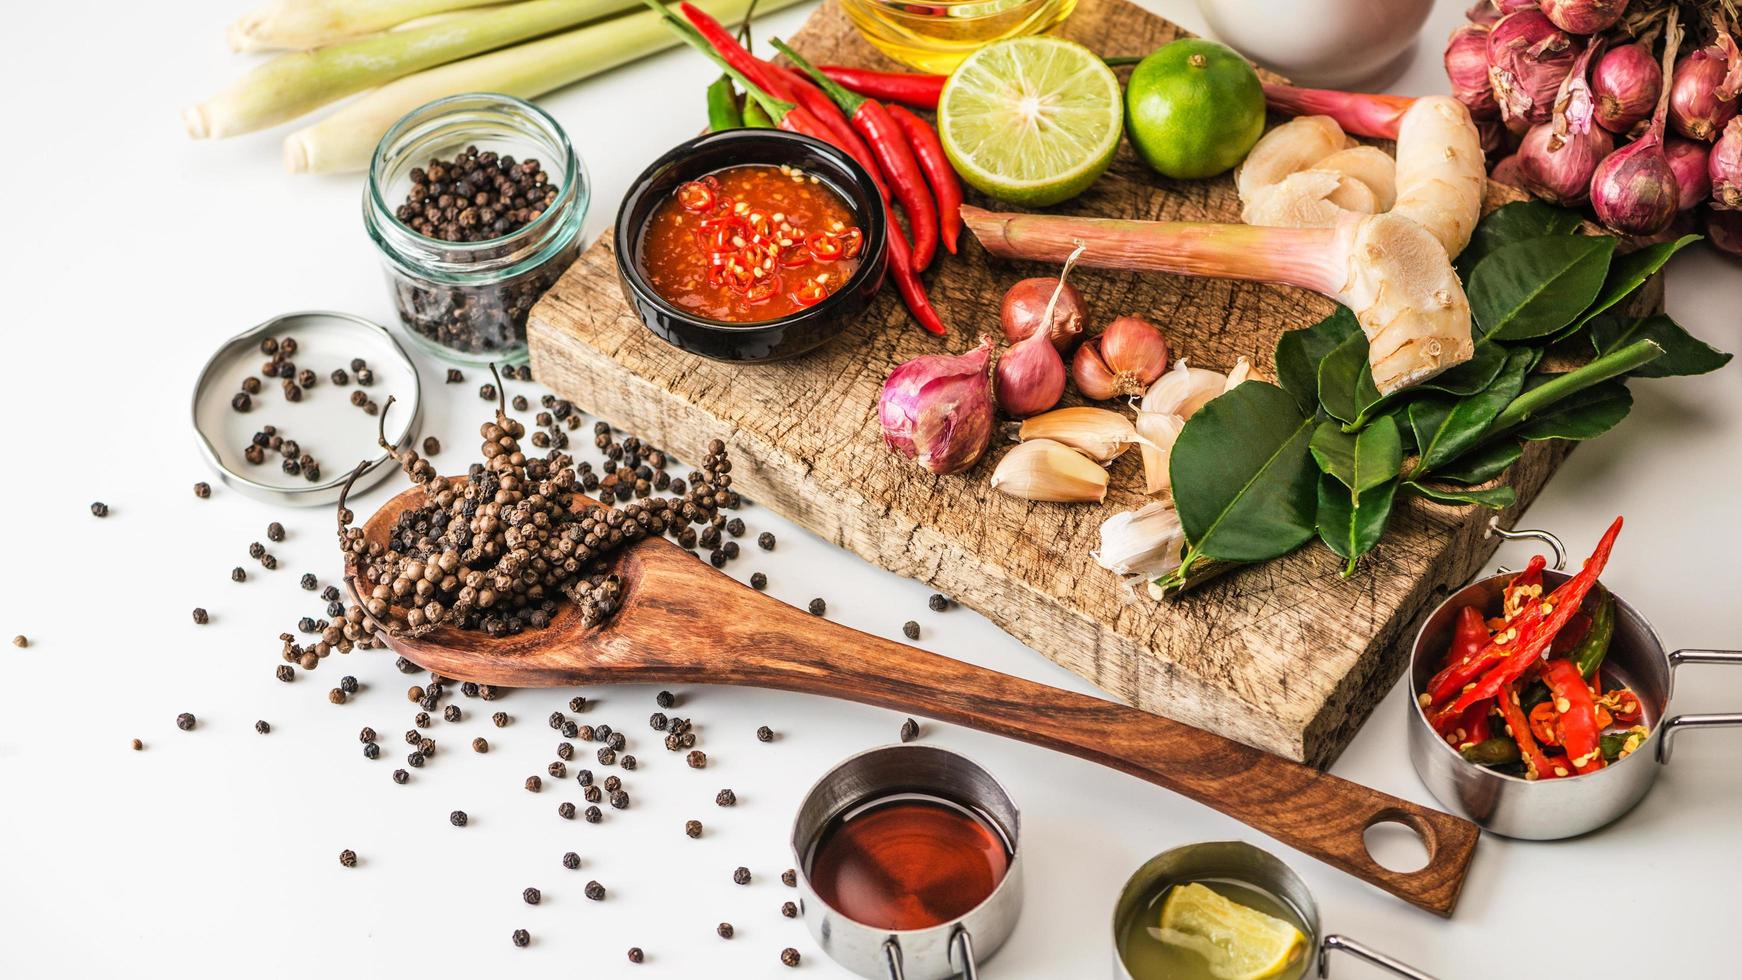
x=1042, y=469
x=1293, y=146
x=1095, y=432
x=1158, y=432
x=1242, y=373
x=1141, y=544
x=1183, y=390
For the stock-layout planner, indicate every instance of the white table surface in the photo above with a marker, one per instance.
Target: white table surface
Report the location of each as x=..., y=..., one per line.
x=130, y=251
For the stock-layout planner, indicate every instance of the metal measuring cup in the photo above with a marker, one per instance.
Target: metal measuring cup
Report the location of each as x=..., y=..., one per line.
x=1238, y=861
x=1551, y=809
x=935, y=953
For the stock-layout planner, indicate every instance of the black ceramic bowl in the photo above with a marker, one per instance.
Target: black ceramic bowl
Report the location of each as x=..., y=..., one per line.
x=770, y=340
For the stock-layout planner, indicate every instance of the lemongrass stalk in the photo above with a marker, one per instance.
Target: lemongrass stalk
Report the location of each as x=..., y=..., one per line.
x=1359, y=113
x=1388, y=270
x=345, y=140
x=298, y=25
x=293, y=84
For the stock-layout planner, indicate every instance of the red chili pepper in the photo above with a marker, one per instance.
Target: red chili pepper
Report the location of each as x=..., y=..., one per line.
x=1578, y=714
x=1543, y=723
x=846, y=137
x=886, y=139
x=906, y=282
x=809, y=293
x=1536, y=764
x=1463, y=660
x=1536, y=630
x=1567, y=639
x=823, y=245
x=907, y=88
x=939, y=172
x=695, y=196
x=1623, y=706
x=1525, y=586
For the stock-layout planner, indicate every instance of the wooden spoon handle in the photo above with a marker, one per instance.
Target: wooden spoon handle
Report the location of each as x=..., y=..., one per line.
x=1314, y=812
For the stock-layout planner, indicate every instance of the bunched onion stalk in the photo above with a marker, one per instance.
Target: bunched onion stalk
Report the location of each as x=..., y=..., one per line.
x=1388, y=269
x=292, y=84
x=345, y=140
x=298, y=25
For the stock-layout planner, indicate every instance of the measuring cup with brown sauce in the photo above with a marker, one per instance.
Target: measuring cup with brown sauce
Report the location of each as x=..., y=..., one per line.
x=908, y=863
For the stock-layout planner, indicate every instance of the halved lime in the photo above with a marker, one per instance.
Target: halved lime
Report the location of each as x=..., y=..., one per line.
x=1032, y=120
x=1240, y=943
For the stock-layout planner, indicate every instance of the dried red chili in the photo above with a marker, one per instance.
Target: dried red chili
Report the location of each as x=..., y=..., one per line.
x=1578, y=727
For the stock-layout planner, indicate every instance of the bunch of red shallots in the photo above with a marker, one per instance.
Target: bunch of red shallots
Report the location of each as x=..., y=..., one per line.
x=1628, y=107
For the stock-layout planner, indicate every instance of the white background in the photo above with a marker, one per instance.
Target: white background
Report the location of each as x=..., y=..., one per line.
x=130, y=251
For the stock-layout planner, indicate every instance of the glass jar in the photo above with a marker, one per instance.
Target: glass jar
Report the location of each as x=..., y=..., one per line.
x=936, y=36
x=468, y=301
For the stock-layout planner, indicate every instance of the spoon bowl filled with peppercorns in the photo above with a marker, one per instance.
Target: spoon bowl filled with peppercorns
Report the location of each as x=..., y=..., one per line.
x=512, y=576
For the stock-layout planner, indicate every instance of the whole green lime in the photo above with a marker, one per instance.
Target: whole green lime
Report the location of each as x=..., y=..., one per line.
x=1193, y=108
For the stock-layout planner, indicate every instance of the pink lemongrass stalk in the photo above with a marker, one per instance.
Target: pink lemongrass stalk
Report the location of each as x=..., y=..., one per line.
x=1386, y=268
x=1359, y=113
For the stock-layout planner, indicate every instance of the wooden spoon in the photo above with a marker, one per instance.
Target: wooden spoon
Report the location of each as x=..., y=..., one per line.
x=681, y=621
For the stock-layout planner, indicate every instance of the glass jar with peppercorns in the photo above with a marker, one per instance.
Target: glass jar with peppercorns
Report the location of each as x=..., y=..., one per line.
x=476, y=203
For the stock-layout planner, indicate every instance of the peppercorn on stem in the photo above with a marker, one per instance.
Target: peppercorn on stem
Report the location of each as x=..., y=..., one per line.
x=293, y=84
x=298, y=25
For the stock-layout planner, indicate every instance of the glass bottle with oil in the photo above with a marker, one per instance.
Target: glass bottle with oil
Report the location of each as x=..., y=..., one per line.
x=1148, y=957
x=936, y=36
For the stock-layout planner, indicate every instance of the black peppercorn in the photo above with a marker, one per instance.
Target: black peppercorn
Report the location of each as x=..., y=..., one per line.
x=725, y=797
x=657, y=721
x=557, y=770
x=521, y=938
x=571, y=860
x=499, y=719
x=741, y=876
x=665, y=699
x=577, y=703
x=765, y=541
x=910, y=629
x=595, y=891
x=241, y=401
x=348, y=858
x=487, y=392
x=938, y=602
x=480, y=744
x=275, y=531
x=565, y=810
x=431, y=446
x=201, y=618
x=789, y=878
x=308, y=581
x=909, y=730
x=693, y=828
x=285, y=673
x=628, y=762
x=457, y=818
x=593, y=814
x=570, y=729
x=530, y=896
x=534, y=784
x=371, y=750
x=137, y=745
x=724, y=930
x=261, y=727
x=607, y=756
x=789, y=910
x=758, y=581
x=584, y=777
x=400, y=776
x=697, y=759
x=789, y=957
x=455, y=377
x=184, y=721
x=348, y=684
x=238, y=574
x=414, y=760
x=818, y=606
x=620, y=800
x=635, y=954
x=764, y=734
x=616, y=741
x=593, y=794
x=202, y=490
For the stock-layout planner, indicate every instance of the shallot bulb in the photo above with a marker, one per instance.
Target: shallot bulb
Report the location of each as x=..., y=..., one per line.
x=1702, y=89
x=1688, y=160
x=1483, y=12
x=1626, y=83
x=1031, y=376
x=937, y=410
x=1724, y=230
x=1584, y=16
x=1724, y=167
x=1507, y=170
x=1026, y=303
x=1528, y=57
x=1467, y=68
x=1634, y=190
x=1125, y=359
x=1557, y=158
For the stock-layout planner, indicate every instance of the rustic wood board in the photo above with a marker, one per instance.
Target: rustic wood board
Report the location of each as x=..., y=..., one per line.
x=1287, y=656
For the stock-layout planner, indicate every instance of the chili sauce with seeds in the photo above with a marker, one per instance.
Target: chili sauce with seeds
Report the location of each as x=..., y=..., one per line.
x=749, y=244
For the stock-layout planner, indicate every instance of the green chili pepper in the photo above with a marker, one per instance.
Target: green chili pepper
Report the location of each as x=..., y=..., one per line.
x=1588, y=655
x=1612, y=744
x=756, y=117
x=1534, y=693
x=723, y=111
x=1493, y=752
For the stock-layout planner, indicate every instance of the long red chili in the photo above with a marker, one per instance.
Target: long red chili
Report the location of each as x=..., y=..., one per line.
x=906, y=281
x=1534, y=631
x=1536, y=764
x=906, y=88
x=1578, y=714
x=825, y=109
x=1525, y=586
x=1464, y=660
x=946, y=187
x=890, y=144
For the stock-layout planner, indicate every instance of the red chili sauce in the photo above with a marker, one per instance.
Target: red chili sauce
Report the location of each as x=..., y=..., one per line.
x=750, y=244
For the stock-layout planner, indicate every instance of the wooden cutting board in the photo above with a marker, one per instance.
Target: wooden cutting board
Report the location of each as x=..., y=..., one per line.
x=1287, y=656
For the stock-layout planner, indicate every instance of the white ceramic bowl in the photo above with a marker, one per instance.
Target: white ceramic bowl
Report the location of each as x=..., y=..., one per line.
x=1320, y=43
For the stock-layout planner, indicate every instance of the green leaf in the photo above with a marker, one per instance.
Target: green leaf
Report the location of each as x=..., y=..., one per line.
x=1533, y=288
x=1514, y=223
x=1583, y=415
x=1471, y=376
x=1359, y=461
x=1494, y=498
x=1346, y=388
x=1243, y=480
x=1298, y=353
x=1682, y=352
x=1352, y=525
x=1626, y=274
x=1483, y=463
x=1446, y=427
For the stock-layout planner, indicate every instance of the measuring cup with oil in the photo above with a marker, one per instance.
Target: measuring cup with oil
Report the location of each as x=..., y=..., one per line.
x=908, y=863
x=1242, y=874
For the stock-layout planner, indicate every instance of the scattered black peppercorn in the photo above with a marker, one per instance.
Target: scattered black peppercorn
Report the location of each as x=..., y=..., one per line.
x=635, y=954
x=99, y=509
x=451, y=713
x=480, y=744
x=612, y=784
x=238, y=574
x=565, y=751
x=595, y=891
x=593, y=794
x=262, y=728
x=201, y=618
x=137, y=745
x=431, y=445
x=758, y=581
x=789, y=878
x=725, y=797
x=457, y=818
x=571, y=860
x=285, y=673
x=184, y=721
x=910, y=629
x=818, y=606
x=371, y=751
x=519, y=402
x=336, y=696
x=21, y=641
x=693, y=828
x=530, y=896
x=487, y=392
x=499, y=719
x=348, y=858
x=789, y=910
x=202, y=490
x=665, y=699
x=697, y=759
x=557, y=770
x=534, y=784
x=938, y=602
x=789, y=957
x=414, y=760
x=348, y=684
x=607, y=756
x=741, y=876
x=620, y=800
x=764, y=734
x=657, y=721
x=455, y=377
x=724, y=929
x=594, y=814
x=400, y=776
x=565, y=810
x=584, y=777
x=521, y=938
x=765, y=540
x=275, y=532
x=616, y=741
x=628, y=762
x=308, y=581
x=241, y=401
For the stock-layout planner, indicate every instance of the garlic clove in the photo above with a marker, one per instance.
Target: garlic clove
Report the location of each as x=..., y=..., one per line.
x=1241, y=374
x=1158, y=432
x=1142, y=544
x=1097, y=433
x=1183, y=390
x=1293, y=146
x=1042, y=469
x=1308, y=199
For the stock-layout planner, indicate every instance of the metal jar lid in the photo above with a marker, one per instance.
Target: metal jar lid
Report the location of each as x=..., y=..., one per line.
x=323, y=422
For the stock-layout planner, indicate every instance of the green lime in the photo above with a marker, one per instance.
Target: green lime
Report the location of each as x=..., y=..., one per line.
x=1193, y=108
x=1031, y=120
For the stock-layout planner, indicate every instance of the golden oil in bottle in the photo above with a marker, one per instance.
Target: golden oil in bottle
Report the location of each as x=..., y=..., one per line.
x=935, y=37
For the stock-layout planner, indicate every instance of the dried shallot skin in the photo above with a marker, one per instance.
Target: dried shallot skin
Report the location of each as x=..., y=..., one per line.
x=1528, y=57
